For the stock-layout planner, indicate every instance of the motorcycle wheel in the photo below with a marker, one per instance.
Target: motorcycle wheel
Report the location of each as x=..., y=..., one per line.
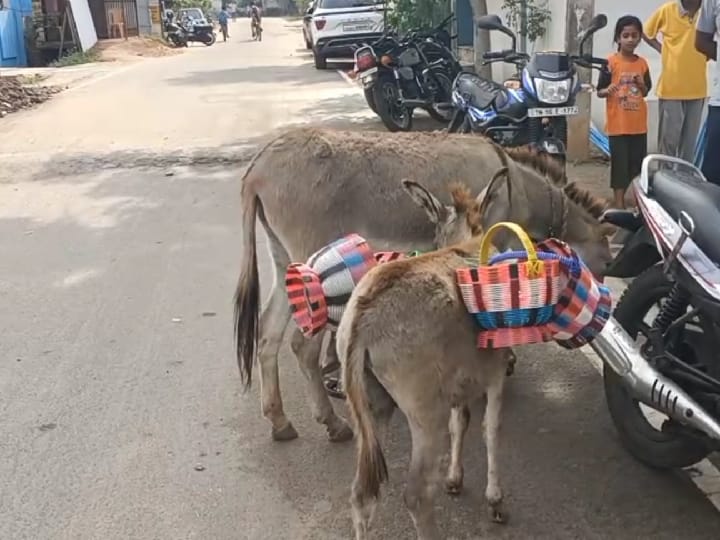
x=656, y=449
x=394, y=116
x=211, y=39
x=370, y=98
x=436, y=114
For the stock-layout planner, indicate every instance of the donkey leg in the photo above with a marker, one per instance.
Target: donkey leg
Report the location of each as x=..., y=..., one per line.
x=459, y=421
x=308, y=352
x=424, y=474
x=274, y=317
x=493, y=491
x=512, y=360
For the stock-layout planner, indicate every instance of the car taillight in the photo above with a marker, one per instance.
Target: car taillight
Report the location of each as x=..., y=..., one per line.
x=320, y=23
x=365, y=61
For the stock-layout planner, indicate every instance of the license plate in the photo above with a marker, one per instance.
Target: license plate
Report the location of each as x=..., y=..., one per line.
x=552, y=111
x=356, y=27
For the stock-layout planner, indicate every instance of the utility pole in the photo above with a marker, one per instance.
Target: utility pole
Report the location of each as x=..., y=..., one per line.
x=579, y=14
x=523, y=25
x=482, y=38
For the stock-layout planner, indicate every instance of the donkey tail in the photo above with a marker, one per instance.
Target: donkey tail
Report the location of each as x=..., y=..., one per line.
x=247, y=294
x=371, y=466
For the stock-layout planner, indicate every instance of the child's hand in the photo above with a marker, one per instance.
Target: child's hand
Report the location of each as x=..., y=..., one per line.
x=613, y=89
x=640, y=84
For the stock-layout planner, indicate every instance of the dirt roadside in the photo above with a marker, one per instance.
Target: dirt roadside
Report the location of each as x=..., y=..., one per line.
x=24, y=88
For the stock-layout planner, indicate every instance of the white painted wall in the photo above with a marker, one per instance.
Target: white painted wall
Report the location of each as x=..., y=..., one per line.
x=554, y=39
x=84, y=23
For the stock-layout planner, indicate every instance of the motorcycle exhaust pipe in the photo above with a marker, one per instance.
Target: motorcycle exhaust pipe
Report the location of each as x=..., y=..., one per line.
x=646, y=384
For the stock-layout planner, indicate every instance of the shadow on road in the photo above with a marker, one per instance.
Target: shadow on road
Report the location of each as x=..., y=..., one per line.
x=303, y=75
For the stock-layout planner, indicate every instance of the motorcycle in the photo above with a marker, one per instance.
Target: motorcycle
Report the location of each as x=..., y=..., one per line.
x=532, y=106
x=401, y=74
x=179, y=35
x=673, y=255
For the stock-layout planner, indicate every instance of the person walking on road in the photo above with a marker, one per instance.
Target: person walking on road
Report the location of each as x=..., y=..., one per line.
x=223, y=21
x=705, y=41
x=682, y=88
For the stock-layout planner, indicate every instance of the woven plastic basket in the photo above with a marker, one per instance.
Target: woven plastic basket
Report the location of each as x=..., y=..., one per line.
x=319, y=290
x=584, y=306
x=512, y=302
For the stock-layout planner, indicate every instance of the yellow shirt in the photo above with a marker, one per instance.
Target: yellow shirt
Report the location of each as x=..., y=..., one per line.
x=683, y=67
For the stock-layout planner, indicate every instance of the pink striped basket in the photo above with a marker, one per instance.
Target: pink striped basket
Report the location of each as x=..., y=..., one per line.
x=584, y=306
x=512, y=302
x=319, y=289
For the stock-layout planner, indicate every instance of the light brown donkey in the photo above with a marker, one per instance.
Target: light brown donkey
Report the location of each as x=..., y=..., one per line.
x=407, y=340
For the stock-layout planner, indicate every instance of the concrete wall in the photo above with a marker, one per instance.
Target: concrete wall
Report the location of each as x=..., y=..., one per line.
x=145, y=26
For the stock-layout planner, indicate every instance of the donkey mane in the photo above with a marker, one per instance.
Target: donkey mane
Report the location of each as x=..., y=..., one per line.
x=553, y=171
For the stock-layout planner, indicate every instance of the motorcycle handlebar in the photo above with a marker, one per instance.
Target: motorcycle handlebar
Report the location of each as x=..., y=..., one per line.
x=497, y=55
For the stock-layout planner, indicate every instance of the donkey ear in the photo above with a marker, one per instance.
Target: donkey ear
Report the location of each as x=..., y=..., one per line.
x=484, y=196
x=425, y=200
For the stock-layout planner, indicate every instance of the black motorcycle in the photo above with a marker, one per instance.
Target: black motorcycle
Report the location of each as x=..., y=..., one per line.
x=401, y=74
x=532, y=106
x=179, y=35
x=674, y=257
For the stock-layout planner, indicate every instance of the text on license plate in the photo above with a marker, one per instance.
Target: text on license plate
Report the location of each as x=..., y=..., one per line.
x=552, y=111
x=356, y=27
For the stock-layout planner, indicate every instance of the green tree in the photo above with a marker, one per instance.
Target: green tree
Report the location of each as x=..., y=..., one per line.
x=406, y=14
x=537, y=17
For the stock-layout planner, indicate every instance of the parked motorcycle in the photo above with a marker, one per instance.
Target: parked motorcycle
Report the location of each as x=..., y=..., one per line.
x=401, y=74
x=674, y=257
x=532, y=106
x=180, y=34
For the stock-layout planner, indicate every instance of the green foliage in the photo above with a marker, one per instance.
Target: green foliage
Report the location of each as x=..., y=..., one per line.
x=406, y=14
x=205, y=5
x=538, y=17
x=77, y=57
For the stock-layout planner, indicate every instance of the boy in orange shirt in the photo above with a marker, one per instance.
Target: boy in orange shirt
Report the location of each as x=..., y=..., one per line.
x=625, y=84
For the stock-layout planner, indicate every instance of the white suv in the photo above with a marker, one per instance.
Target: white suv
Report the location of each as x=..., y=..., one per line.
x=338, y=26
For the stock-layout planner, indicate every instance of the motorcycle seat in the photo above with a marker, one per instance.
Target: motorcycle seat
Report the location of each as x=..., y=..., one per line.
x=480, y=92
x=679, y=191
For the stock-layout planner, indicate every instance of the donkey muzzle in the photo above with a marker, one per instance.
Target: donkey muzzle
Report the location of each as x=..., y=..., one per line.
x=646, y=384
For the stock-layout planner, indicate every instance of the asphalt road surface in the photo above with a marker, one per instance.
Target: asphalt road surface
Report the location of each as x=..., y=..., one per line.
x=121, y=412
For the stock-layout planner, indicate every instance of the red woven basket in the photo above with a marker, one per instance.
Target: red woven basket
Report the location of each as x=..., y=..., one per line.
x=584, y=306
x=319, y=289
x=512, y=302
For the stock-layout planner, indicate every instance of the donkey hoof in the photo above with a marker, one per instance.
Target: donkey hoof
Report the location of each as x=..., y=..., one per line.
x=510, y=370
x=453, y=486
x=497, y=514
x=286, y=433
x=342, y=433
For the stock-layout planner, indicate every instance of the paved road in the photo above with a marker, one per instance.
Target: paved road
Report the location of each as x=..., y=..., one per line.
x=121, y=415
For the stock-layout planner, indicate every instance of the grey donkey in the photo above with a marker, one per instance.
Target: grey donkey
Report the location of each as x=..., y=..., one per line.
x=309, y=186
x=407, y=340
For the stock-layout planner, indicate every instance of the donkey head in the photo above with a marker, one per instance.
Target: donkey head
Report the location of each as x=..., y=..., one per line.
x=546, y=209
x=454, y=223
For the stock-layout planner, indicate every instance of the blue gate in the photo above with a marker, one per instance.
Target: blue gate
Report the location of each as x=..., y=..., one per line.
x=12, y=32
x=465, y=25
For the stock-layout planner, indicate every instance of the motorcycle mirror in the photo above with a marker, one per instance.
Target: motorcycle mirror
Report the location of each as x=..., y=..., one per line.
x=489, y=22
x=596, y=23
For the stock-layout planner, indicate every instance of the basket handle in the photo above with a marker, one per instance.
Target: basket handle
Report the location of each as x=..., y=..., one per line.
x=535, y=265
x=568, y=262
